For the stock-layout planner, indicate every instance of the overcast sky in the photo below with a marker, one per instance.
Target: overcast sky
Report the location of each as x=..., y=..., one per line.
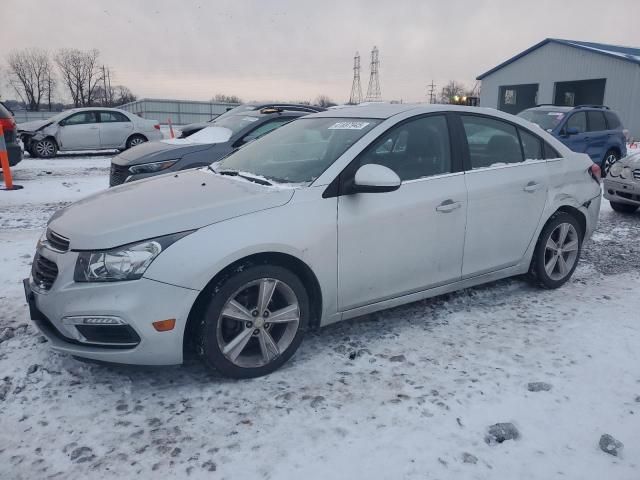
x=288, y=49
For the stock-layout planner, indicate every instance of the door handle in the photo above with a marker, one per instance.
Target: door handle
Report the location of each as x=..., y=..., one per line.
x=448, y=206
x=531, y=187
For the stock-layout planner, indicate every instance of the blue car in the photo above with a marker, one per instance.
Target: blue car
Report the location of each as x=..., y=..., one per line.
x=591, y=129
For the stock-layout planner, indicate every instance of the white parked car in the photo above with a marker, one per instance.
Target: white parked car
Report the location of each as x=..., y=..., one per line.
x=93, y=128
x=335, y=215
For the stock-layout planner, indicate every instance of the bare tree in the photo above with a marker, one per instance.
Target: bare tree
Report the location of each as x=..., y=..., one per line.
x=221, y=97
x=123, y=95
x=324, y=101
x=80, y=73
x=451, y=90
x=30, y=75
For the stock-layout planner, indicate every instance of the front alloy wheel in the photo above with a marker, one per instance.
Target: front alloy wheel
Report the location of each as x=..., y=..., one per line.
x=254, y=322
x=46, y=148
x=610, y=158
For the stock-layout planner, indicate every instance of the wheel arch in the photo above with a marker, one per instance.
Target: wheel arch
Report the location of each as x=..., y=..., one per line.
x=136, y=134
x=575, y=213
x=290, y=262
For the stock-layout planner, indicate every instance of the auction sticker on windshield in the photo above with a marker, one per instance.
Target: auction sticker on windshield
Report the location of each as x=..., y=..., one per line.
x=348, y=126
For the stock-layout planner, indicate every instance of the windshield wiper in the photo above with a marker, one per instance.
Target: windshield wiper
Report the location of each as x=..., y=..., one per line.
x=235, y=173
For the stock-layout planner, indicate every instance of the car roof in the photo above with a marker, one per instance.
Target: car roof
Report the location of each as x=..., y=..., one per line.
x=554, y=108
x=388, y=110
x=283, y=105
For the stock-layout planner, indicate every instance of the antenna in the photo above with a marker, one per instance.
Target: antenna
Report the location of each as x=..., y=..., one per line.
x=373, y=92
x=356, y=89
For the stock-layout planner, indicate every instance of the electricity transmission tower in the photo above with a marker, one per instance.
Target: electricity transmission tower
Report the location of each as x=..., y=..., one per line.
x=356, y=89
x=432, y=92
x=373, y=92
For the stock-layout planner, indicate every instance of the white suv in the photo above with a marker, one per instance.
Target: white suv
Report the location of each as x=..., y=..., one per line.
x=336, y=215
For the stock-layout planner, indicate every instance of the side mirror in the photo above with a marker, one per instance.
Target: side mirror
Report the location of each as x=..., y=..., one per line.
x=373, y=178
x=571, y=131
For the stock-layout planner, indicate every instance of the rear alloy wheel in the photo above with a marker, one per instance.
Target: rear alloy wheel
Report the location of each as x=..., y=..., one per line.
x=623, y=207
x=557, y=251
x=45, y=148
x=135, y=140
x=610, y=158
x=255, y=322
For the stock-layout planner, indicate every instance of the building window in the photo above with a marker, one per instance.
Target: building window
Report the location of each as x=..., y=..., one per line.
x=569, y=99
x=509, y=97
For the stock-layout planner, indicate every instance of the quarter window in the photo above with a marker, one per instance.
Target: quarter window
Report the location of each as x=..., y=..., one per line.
x=491, y=142
x=531, y=146
x=414, y=149
x=596, y=121
x=579, y=121
x=550, y=152
x=612, y=120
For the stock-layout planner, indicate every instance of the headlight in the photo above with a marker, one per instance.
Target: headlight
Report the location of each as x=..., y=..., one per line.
x=626, y=173
x=128, y=262
x=152, y=167
x=615, y=170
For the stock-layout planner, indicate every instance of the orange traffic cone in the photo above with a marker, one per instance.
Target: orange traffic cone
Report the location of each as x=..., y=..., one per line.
x=4, y=161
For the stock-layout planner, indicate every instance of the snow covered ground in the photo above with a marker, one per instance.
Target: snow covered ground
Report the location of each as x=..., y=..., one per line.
x=406, y=393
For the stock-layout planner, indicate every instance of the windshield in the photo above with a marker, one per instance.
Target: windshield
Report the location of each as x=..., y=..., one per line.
x=299, y=151
x=233, y=111
x=547, y=119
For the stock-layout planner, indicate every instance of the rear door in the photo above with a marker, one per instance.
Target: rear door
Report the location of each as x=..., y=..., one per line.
x=578, y=141
x=506, y=194
x=79, y=132
x=395, y=243
x=597, y=135
x=114, y=128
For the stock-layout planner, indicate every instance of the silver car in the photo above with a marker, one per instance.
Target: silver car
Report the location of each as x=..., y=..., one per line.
x=87, y=129
x=622, y=184
x=335, y=215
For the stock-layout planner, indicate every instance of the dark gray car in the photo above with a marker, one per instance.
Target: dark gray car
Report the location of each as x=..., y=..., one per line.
x=198, y=150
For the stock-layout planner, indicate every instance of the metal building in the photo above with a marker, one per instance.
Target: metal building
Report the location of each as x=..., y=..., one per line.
x=181, y=112
x=567, y=72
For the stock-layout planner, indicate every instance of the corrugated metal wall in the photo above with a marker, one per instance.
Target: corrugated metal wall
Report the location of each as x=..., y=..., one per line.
x=558, y=63
x=181, y=112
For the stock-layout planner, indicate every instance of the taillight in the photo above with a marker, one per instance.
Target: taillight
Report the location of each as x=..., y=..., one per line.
x=7, y=124
x=596, y=172
x=157, y=126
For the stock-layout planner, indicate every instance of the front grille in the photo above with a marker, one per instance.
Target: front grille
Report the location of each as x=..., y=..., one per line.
x=636, y=174
x=44, y=272
x=57, y=242
x=117, y=175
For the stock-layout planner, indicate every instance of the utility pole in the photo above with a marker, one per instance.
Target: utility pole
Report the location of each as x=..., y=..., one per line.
x=373, y=92
x=432, y=92
x=356, y=90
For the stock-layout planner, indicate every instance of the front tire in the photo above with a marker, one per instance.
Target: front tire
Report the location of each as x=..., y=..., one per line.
x=557, y=252
x=45, y=148
x=254, y=321
x=623, y=207
x=609, y=159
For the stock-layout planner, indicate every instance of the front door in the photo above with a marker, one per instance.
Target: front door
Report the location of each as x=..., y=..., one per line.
x=395, y=243
x=506, y=194
x=114, y=128
x=79, y=132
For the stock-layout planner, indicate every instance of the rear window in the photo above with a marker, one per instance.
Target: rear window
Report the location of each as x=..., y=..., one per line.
x=613, y=120
x=596, y=121
x=546, y=119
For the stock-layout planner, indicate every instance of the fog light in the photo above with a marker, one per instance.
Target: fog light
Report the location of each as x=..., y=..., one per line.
x=93, y=320
x=164, y=325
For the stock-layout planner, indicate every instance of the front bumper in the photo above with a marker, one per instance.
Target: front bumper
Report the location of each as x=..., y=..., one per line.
x=622, y=191
x=137, y=303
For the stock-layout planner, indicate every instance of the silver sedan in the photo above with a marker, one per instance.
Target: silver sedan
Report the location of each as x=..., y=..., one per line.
x=87, y=129
x=335, y=215
x=622, y=185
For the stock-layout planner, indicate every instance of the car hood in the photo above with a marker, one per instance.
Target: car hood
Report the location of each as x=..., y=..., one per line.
x=632, y=161
x=156, y=152
x=33, y=125
x=161, y=205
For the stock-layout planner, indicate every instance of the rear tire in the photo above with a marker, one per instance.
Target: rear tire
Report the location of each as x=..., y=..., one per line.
x=557, y=251
x=609, y=159
x=45, y=148
x=242, y=336
x=136, y=139
x=623, y=207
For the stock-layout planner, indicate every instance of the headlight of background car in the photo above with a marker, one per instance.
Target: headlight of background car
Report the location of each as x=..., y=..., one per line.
x=152, y=167
x=128, y=262
x=626, y=173
x=615, y=170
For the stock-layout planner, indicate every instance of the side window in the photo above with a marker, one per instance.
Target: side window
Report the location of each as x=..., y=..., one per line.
x=110, y=117
x=579, y=121
x=531, y=145
x=612, y=120
x=414, y=149
x=265, y=128
x=80, y=118
x=596, y=121
x=550, y=152
x=491, y=142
